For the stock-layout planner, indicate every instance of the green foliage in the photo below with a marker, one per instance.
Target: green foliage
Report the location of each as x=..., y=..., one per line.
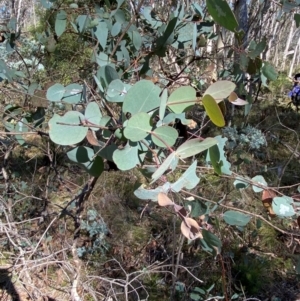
x=118, y=96
x=247, y=137
x=97, y=231
x=222, y=14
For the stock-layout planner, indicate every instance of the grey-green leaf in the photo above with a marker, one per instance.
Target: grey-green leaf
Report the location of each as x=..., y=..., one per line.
x=188, y=180
x=142, y=97
x=181, y=99
x=55, y=92
x=101, y=32
x=164, y=136
x=93, y=115
x=70, y=132
x=73, y=94
x=222, y=14
x=138, y=127
x=259, y=180
x=116, y=29
x=235, y=218
x=60, y=22
x=283, y=206
x=195, y=146
x=126, y=158
x=169, y=163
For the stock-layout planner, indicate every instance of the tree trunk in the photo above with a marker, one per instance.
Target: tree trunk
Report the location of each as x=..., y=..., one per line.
x=288, y=42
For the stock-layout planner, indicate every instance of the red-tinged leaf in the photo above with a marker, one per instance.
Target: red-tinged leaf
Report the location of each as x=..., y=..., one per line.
x=91, y=138
x=268, y=195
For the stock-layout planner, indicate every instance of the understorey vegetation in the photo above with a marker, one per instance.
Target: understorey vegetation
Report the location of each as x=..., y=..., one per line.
x=149, y=151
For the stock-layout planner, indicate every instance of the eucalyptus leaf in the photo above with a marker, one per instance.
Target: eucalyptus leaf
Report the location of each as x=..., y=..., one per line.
x=126, y=158
x=73, y=94
x=138, y=127
x=142, y=97
x=70, y=132
x=164, y=136
x=260, y=180
x=213, y=110
x=194, y=146
x=220, y=89
x=188, y=180
x=235, y=218
x=181, y=99
x=283, y=206
x=55, y=92
x=170, y=163
x=222, y=14
x=93, y=115
x=60, y=22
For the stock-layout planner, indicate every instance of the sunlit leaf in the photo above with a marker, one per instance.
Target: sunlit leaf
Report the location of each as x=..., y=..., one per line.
x=126, y=158
x=93, y=115
x=55, y=92
x=213, y=110
x=169, y=163
x=194, y=146
x=164, y=200
x=259, y=180
x=163, y=104
x=283, y=206
x=142, y=97
x=138, y=127
x=181, y=99
x=70, y=132
x=164, y=136
x=220, y=89
x=188, y=180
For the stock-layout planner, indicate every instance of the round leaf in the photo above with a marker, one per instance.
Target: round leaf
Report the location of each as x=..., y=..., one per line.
x=83, y=156
x=220, y=89
x=126, y=158
x=282, y=206
x=164, y=135
x=138, y=127
x=73, y=93
x=67, y=134
x=260, y=180
x=55, y=92
x=181, y=99
x=240, y=184
x=142, y=97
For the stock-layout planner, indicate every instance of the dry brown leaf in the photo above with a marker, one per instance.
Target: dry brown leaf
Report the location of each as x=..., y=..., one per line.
x=190, y=229
x=164, y=200
x=268, y=195
x=180, y=211
x=91, y=138
x=232, y=97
